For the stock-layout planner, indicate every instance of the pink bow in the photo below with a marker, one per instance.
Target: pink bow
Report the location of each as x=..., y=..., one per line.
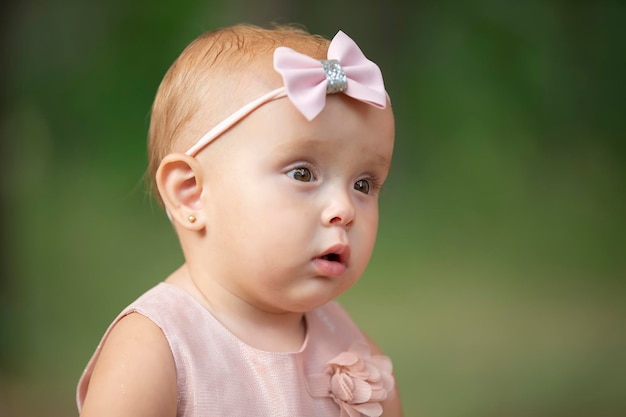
x=347, y=70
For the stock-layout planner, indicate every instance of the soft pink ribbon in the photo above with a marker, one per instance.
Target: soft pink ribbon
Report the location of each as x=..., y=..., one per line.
x=306, y=81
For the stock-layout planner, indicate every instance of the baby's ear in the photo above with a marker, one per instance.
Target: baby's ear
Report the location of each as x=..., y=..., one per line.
x=179, y=180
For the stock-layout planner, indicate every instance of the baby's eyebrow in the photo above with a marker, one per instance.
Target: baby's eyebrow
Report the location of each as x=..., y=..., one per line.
x=313, y=144
x=300, y=145
x=377, y=160
x=310, y=145
x=382, y=160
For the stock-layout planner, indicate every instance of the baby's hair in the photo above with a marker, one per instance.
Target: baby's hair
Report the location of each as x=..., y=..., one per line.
x=206, y=81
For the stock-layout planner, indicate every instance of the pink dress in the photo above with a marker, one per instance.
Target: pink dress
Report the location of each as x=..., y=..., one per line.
x=219, y=375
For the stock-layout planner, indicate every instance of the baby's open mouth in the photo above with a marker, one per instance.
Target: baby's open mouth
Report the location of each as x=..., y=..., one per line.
x=333, y=257
x=334, y=261
x=337, y=254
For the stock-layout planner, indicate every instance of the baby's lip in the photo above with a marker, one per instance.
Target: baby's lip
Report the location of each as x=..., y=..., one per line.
x=337, y=253
x=333, y=262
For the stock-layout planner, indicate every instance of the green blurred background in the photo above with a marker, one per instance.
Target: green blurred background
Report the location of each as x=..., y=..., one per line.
x=497, y=285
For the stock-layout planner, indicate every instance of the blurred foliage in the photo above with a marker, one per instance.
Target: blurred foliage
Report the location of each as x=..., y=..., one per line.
x=497, y=285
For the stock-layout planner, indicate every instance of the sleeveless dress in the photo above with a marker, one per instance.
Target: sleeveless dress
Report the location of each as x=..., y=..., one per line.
x=219, y=375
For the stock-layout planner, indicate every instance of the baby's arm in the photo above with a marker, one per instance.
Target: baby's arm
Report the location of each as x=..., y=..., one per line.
x=135, y=373
x=391, y=406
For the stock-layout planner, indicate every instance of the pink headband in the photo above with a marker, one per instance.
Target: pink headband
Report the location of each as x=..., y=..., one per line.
x=308, y=81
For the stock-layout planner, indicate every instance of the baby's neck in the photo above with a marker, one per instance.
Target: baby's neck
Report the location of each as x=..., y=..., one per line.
x=278, y=334
x=267, y=331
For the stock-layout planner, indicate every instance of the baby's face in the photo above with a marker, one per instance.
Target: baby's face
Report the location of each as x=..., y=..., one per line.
x=293, y=205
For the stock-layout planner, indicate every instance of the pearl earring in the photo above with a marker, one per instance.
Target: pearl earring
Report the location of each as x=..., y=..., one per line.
x=191, y=218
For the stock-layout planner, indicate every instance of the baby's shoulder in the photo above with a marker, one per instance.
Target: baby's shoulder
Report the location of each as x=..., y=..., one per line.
x=136, y=369
x=134, y=331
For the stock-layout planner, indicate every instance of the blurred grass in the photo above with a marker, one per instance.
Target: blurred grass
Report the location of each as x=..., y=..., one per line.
x=497, y=284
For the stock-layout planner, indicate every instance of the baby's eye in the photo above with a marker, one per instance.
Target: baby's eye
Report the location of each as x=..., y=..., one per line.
x=301, y=174
x=363, y=186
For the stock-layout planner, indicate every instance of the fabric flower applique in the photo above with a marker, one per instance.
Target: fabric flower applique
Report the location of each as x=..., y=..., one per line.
x=357, y=381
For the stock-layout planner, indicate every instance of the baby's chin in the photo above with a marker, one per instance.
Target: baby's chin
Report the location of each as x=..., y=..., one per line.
x=319, y=294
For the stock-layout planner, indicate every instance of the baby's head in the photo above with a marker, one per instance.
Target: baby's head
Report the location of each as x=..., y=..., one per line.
x=268, y=148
